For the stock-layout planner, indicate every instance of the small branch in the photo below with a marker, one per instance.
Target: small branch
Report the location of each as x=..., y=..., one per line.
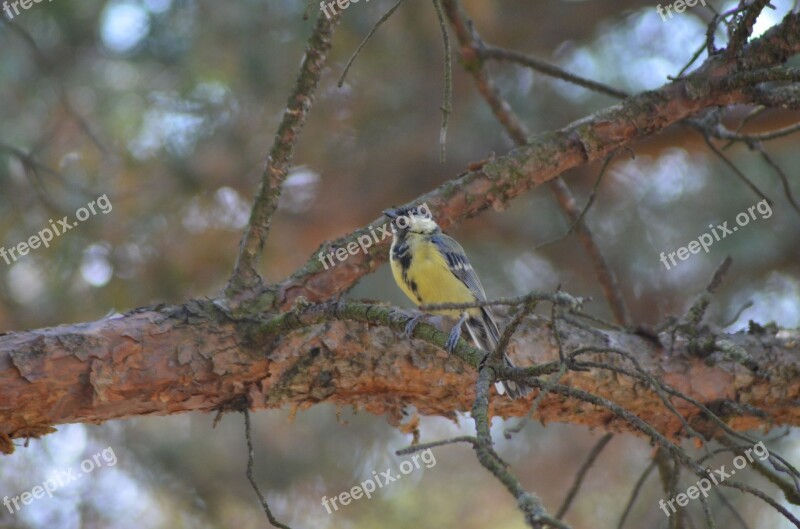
x=535, y=514
x=787, y=190
x=360, y=47
x=692, y=60
x=559, y=298
x=543, y=391
x=511, y=328
x=744, y=28
x=736, y=170
x=585, y=209
x=725, y=134
x=790, y=490
x=425, y=446
x=635, y=493
x=447, y=105
x=737, y=516
x=250, y=461
x=579, y=477
x=245, y=276
x=503, y=55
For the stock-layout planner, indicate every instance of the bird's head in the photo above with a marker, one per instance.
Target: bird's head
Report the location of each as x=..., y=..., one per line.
x=416, y=219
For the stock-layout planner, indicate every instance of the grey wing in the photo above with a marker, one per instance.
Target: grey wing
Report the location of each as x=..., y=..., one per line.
x=459, y=264
x=483, y=329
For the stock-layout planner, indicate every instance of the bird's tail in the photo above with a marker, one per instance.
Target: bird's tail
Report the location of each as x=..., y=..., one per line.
x=486, y=336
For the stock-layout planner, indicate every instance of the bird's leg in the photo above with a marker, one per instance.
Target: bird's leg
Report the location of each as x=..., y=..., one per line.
x=455, y=334
x=411, y=325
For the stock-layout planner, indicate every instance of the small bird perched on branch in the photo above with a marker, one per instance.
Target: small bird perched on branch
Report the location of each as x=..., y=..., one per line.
x=432, y=268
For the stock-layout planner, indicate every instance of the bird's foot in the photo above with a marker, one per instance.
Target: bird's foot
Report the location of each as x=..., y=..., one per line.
x=408, y=332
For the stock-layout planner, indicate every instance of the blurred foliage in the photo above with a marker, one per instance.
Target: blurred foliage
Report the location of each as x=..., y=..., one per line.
x=184, y=98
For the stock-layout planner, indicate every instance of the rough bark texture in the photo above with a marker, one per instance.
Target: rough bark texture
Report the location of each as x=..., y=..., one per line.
x=192, y=358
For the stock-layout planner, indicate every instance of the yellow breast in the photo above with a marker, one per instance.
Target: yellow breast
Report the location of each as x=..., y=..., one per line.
x=428, y=280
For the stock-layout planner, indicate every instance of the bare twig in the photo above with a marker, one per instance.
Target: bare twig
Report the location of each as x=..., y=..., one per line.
x=579, y=477
x=447, y=105
x=535, y=514
x=725, y=134
x=503, y=55
x=736, y=515
x=250, y=461
x=543, y=391
x=787, y=190
x=245, y=276
x=360, y=47
x=585, y=209
x=425, y=446
x=635, y=493
x=736, y=170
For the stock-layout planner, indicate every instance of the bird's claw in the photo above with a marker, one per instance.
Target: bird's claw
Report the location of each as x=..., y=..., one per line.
x=452, y=340
x=408, y=332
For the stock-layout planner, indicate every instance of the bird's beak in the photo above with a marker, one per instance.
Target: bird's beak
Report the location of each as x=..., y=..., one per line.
x=391, y=213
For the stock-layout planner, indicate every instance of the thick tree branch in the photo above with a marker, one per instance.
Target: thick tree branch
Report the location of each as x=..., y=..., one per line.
x=717, y=82
x=194, y=358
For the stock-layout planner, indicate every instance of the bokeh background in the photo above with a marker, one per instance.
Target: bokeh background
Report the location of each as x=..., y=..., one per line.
x=169, y=107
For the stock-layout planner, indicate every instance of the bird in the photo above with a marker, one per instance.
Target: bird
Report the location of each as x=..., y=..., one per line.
x=430, y=268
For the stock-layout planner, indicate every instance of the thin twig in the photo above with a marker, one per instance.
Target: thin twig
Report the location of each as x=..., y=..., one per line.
x=425, y=446
x=736, y=170
x=544, y=390
x=787, y=190
x=447, y=105
x=503, y=55
x=725, y=134
x=739, y=312
x=737, y=516
x=576, y=484
x=535, y=514
x=589, y=203
x=635, y=493
x=250, y=461
x=378, y=24
x=694, y=57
